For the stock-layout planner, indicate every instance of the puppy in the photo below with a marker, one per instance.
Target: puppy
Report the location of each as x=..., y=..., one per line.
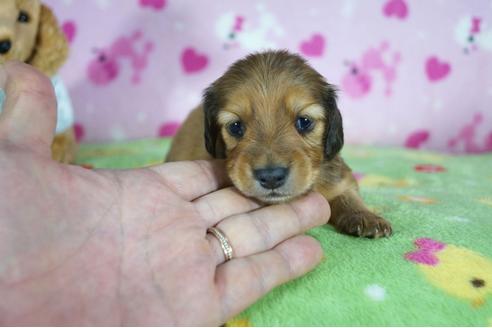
x=276, y=122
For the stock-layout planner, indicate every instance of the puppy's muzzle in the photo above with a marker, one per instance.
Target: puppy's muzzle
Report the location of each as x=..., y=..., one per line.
x=5, y=46
x=271, y=177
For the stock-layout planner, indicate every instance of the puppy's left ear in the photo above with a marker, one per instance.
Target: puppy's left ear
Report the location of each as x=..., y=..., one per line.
x=51, y=48
x=213, y=139
x=333, y=137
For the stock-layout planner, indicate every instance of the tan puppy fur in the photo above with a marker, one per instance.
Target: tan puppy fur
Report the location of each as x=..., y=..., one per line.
x=275, y=120
x=35, y=38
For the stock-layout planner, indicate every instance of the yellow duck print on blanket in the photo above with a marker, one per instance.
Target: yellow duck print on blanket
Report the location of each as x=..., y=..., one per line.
x=456, y=270
x=372, y=180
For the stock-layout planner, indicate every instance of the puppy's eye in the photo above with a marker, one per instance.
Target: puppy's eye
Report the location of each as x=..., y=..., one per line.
x=304, y=124
x=23, y=17
x=236, y=129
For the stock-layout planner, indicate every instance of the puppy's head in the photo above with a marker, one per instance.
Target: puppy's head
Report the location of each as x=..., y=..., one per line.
x=276, y=121
x=30, y=33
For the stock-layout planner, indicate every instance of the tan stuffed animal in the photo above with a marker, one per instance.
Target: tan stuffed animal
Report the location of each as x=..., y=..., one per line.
x=29, y=32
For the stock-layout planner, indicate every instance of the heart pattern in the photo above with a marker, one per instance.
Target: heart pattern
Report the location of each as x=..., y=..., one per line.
x=403, y=69
x=397, y=8
x=192, y=61
x=314, y=47
x=436, y=69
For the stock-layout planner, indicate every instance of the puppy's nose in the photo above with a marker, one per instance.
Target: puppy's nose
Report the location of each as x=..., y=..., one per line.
x=271, y=177
x=5, y=46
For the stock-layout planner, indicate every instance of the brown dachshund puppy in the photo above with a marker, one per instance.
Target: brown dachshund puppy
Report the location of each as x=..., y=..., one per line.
x=275, y=120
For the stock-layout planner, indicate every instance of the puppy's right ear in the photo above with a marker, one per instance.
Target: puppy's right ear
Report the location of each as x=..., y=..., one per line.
x=213, y=138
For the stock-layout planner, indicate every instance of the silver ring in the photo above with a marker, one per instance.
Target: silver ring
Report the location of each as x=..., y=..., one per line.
x=224, y=242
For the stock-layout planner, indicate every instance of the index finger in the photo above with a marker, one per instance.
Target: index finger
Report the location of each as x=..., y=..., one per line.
x=193, y=179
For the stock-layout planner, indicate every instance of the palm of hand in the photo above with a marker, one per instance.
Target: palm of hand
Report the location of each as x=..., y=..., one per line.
x=100, y=247
x=119, y=249
x=172, y=226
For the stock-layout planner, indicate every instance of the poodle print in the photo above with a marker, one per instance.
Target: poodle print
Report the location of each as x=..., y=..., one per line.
x=466, y=137
x=473, y=34
x=359, y=80
x=106, y=67
x=237, y=31
x=236, y=27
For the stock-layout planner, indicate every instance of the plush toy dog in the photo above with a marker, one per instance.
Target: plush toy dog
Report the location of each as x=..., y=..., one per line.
x=30, y=33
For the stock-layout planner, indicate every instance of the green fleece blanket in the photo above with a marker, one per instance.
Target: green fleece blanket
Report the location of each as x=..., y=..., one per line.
x=435, y=270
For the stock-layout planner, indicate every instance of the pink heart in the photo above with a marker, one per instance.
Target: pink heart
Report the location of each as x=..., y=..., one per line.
x=436, y=70
x=69, y=28
x=417, y=138
x=313, y=47
x=155, y=4
x=192, y=61
x=396, y=8
x=168, y=129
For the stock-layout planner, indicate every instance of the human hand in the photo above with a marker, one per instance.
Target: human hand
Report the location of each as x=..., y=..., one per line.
x=129, y=247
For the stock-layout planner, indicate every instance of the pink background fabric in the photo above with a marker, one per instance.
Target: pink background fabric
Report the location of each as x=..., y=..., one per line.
x=410, y=72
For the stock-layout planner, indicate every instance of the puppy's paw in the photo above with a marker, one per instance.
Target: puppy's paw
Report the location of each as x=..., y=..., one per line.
x=364, y=224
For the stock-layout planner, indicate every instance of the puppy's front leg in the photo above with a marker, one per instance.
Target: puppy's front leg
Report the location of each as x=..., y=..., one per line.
x=350, y=216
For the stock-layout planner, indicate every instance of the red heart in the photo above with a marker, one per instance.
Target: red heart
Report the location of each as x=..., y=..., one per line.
x=436, y=70
x=313, y=47
x=429, y=168
x=192, y=61
x=87, y=166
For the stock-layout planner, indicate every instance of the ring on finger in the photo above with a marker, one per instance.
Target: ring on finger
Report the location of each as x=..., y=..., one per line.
x=224, y=242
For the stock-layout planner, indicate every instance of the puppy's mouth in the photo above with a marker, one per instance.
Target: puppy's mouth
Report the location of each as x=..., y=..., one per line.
x=275, y=197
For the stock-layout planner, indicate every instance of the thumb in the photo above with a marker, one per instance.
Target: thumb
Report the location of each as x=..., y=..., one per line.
x=29, y=109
